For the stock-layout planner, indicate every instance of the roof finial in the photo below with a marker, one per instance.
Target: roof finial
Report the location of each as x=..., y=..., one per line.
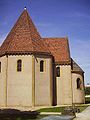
x=25, y=8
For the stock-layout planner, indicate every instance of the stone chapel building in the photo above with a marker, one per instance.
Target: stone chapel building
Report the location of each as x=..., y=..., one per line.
x=36, y=71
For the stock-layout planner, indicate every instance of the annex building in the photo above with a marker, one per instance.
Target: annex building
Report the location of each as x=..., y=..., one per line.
x=36, y=71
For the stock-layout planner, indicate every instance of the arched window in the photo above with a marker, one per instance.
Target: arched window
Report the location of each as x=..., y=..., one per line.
x=41, y=66
x=58, y=71
x=19, y=65
x=78, y=83
x=0, y=67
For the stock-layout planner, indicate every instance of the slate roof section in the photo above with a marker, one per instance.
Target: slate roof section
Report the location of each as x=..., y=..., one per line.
x=23, y=38
x=59, y=48
x=76, y=67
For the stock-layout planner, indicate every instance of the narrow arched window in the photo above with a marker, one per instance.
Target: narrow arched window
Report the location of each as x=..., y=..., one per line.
x=41, y=66
x=58, y=71
x=19, y=65
x=78, y=83
x=0, y=67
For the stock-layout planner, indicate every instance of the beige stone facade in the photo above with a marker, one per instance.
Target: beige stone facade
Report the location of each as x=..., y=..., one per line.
x=78, y=94
x=17, y=86
x=30, y=87
x=43, y=82
x=3, y=82
x=36, y=71
x=64, y=87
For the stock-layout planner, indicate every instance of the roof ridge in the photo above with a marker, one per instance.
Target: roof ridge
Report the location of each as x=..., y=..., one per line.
x=29, y=19
x=55, y=37
x=29, y=26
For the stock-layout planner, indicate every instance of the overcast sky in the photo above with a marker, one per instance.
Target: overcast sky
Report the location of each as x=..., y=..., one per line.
x=54, y=18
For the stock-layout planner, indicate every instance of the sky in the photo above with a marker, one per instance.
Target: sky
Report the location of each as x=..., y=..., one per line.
x=54, y=18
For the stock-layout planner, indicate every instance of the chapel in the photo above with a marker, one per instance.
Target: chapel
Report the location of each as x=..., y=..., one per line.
x=37, y=71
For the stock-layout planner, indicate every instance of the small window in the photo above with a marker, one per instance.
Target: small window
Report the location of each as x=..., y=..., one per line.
x=78, y=83
x=19, y=65
x=58, y=71
x=0, y=67
x=41, y=66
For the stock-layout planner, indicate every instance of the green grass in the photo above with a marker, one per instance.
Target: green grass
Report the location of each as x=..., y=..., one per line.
x=60, y=109
x=54, y=109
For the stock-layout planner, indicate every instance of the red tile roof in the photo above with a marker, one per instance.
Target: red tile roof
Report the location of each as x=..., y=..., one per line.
x=23, y=38
x=59, y=48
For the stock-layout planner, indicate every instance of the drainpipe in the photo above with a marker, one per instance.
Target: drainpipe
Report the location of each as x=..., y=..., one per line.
x=6, y=80
x=33, y=80
x=72, y=90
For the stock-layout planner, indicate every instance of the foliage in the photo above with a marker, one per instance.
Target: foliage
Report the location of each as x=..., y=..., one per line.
x=87, y=100
x=87, y=91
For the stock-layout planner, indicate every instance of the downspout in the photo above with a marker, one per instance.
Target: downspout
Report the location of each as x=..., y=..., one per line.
x=72, y=90
x=33, y=80
x=83, y=87
x=6, y=80
x=51, y=83
x=71, y=81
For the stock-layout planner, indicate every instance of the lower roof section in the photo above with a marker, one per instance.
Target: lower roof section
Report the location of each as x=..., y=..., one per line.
x=59, y=48
x=75, y=67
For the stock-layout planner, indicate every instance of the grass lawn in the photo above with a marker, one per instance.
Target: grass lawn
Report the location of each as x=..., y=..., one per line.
x=60, y=109
x=54, y=109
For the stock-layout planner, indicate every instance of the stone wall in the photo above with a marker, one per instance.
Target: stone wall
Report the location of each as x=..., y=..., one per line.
x=3, y=82
x=43, y=81
x=64, y=88
x=78, y=94
x=19, y=84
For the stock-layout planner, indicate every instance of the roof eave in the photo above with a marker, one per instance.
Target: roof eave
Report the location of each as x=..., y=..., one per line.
x=24, y=53
x=68, y=62
x=73, y=71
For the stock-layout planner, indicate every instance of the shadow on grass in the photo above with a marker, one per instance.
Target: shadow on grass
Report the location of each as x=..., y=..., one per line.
x=14, y=114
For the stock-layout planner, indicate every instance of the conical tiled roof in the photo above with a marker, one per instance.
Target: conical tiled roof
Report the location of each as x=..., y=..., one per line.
x=23, y=38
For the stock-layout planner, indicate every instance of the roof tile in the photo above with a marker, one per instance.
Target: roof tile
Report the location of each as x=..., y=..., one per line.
x=59, y=48
x=23, y=37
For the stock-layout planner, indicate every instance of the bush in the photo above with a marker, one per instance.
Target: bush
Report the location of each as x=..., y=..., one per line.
x=87, y=91
x=87, y=100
